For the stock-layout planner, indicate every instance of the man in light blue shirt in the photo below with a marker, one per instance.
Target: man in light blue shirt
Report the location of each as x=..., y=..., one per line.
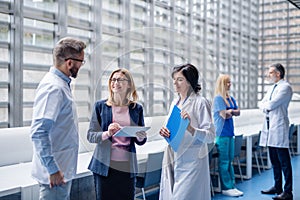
x=54, y=128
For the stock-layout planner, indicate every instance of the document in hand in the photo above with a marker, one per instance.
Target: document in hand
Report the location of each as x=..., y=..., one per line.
x=177, y=126
x=130, y=131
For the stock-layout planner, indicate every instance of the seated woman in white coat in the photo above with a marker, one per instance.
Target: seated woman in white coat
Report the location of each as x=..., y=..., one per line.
x=185, y=173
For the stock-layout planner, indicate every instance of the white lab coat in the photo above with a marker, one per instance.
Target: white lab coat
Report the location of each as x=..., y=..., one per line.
x=185, y=173
x=278, y=133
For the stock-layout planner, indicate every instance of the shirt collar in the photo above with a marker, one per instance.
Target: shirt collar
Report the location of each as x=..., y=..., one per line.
x=60, y=74
x=280, y=81
x=192, y=96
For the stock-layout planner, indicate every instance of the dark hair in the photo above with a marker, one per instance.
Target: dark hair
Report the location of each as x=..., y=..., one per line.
x=278, y=67
x=67, y=47
x=190, y=72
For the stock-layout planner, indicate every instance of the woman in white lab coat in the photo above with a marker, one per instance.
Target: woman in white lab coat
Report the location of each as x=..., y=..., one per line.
x=185, y=173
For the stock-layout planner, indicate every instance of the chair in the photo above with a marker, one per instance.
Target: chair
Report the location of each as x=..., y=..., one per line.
x=256, y=149
x=214, y=178
x=238, y=141
x=260, y=150
x=151, y=177
x=292, y=130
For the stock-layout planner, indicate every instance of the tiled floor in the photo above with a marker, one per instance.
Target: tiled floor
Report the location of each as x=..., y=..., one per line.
x=252, y=187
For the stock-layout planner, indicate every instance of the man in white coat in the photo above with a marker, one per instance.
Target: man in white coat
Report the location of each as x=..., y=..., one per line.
x=275, y=133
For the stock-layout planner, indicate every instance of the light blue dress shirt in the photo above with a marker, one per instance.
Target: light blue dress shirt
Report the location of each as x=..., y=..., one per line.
x=54, y=128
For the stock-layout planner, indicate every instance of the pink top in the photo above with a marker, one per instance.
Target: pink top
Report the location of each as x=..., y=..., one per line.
x=119, y=146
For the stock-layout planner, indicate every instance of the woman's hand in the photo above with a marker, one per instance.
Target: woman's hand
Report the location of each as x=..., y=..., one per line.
x=164, y=132
x=141, y=135
x=229, y=113
x=226, y=114
x=186, y=115
x=113, y=128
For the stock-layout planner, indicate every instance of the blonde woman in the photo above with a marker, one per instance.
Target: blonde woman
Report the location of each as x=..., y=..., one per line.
x=225, y=107
x=114, y=162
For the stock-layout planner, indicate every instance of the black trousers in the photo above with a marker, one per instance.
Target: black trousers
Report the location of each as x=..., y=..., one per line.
x=281, y=162
x=118, y=185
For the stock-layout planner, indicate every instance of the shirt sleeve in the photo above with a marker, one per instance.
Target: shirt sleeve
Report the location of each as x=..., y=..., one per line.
x=264, y=101
x=95, y=133
x=41, y=141
x=205, y=131
x=46, y=109
x=283, y=95
x=219, y=104
x=141, y=122
x=105, y=135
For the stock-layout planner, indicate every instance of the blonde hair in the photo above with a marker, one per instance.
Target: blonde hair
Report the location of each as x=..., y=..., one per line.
x=131, y=95
x=220, y=88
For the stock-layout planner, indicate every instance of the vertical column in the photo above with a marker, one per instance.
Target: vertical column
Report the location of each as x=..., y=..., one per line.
x=218, y=46
x=190, y=44
x=96, y=54
x=262, y=47
x=16, y=66
x=150, y=34
x=125, y=57
x=229, y=45
x=62, y=20
x=240, y=34
x=204, y=44
x=288, y=42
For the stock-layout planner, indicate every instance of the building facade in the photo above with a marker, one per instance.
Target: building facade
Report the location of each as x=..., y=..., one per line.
x=279, y=42
x=147, y=37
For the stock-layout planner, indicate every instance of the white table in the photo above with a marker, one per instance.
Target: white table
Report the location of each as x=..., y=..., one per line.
x=17, y=178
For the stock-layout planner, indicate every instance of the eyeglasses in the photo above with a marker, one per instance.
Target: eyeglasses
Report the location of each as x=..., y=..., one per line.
x=119, y=80
x=82, y=61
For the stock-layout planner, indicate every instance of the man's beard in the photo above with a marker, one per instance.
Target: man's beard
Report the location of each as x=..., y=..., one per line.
x=272, y=79
x=73, y=72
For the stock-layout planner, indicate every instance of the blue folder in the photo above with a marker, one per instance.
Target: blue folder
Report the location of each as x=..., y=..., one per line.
x=177, y=126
